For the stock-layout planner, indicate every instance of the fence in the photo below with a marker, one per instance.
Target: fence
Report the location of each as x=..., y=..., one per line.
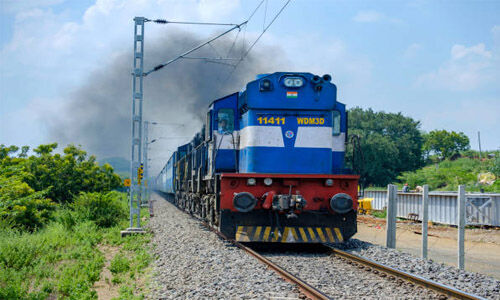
x=481, y=208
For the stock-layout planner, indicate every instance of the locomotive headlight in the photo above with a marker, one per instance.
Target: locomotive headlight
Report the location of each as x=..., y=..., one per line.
x=329, y=182
x=293, y=82
x=251, y=181
x=268, y=181
x=341, y=203
x=244, y=202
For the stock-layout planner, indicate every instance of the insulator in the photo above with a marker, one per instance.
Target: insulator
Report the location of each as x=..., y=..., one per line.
x=158, y=67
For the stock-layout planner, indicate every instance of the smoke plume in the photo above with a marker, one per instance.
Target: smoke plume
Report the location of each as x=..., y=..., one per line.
x=97, y=115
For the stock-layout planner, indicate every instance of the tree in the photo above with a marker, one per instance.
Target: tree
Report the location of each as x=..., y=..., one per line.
x=31, y=186
x=65, y=176
x=445, y=144
x=391, y=144
x=495, y=167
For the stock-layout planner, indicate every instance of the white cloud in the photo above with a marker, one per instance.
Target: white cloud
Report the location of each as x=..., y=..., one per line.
x=412, y=50
x=102, y=24
x=467, y=69
x=367, y=16
x=69, y=48
x=460, y=51
x=53, y=51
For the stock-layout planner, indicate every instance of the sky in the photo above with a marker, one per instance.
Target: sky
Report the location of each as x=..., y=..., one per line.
x=435, y=61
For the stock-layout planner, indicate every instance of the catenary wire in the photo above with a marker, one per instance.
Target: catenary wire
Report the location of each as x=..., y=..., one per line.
x=254, y=43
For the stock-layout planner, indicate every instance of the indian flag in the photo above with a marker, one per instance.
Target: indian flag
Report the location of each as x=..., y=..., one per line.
x=292, y=94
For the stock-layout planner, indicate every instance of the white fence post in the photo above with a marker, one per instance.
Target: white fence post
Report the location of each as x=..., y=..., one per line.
x=390, y=241
x=461, y=225
x=425, y=219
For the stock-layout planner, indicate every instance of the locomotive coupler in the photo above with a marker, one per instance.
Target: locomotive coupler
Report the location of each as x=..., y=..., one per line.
x=288, y=204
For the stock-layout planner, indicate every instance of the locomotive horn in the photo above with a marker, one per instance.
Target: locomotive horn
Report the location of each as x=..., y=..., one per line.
x=316, y=79
x=327, y=77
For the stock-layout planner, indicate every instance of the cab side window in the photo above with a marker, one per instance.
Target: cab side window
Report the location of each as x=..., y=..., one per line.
x=225, y=120
x=208, y=128
x=335, y=122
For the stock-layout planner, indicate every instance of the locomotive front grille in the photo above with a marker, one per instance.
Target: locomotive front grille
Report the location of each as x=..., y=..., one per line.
x=288, y=234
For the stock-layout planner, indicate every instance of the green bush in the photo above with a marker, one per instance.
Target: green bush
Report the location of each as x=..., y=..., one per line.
x=18, y=251
x=59, y=176
x=106, y=210
x=495, y=166
x=382, y=214
x=21, y=207
x=67, y=218
x=119, y=264
x=447, y=175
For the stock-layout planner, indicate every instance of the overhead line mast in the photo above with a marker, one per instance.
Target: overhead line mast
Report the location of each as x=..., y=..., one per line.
x=136, y=190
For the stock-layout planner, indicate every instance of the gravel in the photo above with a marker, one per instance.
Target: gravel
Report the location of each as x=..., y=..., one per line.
x=474, y=283
x=194, y=263
x=339, y=279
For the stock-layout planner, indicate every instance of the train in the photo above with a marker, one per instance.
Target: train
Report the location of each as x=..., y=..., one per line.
x=269, y=164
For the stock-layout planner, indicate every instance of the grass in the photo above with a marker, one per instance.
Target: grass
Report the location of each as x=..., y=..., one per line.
x=382, y=214
x=63, y=260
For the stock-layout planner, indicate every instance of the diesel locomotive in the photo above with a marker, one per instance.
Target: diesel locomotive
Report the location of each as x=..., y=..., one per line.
x=268, y=165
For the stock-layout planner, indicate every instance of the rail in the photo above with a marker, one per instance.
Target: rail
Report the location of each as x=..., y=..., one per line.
x=303, y=286
x=427, y=283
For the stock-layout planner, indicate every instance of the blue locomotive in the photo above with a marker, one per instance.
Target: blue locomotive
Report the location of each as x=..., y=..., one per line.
x=268, y=165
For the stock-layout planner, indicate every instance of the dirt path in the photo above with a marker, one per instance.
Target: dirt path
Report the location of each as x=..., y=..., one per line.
x=104, y=288
x=482, y=246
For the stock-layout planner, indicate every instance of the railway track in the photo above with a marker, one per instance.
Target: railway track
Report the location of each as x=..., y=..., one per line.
x=306, y=289
x=376, y=269
x=443, y=291
x=369, y=265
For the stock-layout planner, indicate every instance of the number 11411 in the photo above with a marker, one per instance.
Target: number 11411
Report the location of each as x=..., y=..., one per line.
x=271, y=120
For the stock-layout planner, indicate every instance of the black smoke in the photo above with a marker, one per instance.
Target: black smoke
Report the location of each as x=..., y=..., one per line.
x=97, y=115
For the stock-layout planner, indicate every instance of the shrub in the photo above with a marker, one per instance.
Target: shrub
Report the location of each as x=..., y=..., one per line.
x=18, y=250
x=67, y=218
x=21, y=207
x=60, y=176
x=447, y=175
x=382, y=214
x=495, y=166
x=106, y=210
x=119, y=264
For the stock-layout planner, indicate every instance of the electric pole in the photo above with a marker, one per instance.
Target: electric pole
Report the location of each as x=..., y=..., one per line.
x=135, y=194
